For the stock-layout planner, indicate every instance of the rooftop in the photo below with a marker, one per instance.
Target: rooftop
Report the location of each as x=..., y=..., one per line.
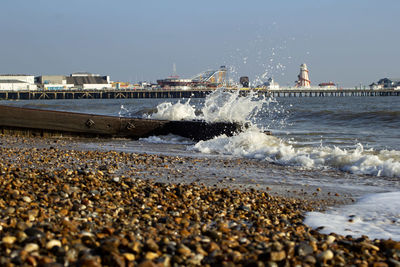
x=11, y=81
x=15, y=75
x=79, y=80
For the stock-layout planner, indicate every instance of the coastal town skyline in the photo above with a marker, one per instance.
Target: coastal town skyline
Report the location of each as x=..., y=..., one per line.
x=347, y=43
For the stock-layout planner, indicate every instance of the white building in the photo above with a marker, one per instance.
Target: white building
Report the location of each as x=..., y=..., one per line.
x=327, y=85
x=53, y=82
x=17, y=82
x=271, y=84
x=87, y=81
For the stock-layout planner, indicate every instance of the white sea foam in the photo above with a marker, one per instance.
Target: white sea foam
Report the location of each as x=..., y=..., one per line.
x=229, y=106
x=167, y=139
x=377, y=216
x=177, y=111
x=254, y=144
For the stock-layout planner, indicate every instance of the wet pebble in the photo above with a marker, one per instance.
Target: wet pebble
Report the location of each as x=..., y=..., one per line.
x=94, y=208
x=53, y=243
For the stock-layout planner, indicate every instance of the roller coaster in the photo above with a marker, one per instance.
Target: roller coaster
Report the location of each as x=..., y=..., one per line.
x=211, y=77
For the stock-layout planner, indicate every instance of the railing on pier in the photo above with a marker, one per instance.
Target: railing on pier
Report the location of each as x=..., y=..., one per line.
x=198, y=93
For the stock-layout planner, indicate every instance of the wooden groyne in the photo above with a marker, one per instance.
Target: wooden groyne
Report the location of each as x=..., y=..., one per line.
x=49, y=123
x=161, y=93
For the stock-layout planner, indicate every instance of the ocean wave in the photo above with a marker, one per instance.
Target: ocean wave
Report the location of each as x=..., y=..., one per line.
x=347, y=116
x=167, y=139
x=255, y=144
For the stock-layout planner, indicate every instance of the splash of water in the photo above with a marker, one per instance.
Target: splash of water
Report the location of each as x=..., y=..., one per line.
x=123, y=111
x=223, y=105
x=229, y=106
x=220, y=106
x=177, y=111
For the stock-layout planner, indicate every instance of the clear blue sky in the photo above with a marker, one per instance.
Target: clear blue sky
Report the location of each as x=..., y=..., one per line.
x=345, y=41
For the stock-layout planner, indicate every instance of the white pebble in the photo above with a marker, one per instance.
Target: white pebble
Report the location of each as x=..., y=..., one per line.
x=27, y=199
x=53, y=243
x=31, y=247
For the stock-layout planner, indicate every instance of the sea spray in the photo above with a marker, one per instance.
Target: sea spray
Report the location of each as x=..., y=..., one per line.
x=123, y=111
x=220, y=106
x=229, y=106
x=177, y=111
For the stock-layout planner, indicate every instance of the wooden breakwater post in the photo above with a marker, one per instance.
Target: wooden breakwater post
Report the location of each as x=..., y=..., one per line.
x=49, y=123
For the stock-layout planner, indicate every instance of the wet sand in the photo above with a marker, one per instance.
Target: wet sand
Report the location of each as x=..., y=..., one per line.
x=62, y=204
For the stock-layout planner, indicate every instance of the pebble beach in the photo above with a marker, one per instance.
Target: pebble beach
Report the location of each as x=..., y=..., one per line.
x=62, y=205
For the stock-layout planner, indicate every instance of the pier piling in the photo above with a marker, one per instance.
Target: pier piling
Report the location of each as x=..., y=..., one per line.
x=127, y=94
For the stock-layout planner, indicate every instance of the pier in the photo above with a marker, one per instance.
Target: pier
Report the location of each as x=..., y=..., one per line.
x=198, y=93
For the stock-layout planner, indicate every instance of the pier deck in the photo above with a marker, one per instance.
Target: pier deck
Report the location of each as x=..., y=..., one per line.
x=126, y=94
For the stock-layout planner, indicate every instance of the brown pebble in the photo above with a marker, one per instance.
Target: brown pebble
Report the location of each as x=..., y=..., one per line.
x=151, y=255
x=147, y=263
x=31, y=247
x=9, y=240
x=277, y=255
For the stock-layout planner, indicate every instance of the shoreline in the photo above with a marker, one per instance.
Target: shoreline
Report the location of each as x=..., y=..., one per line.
x=92, y=207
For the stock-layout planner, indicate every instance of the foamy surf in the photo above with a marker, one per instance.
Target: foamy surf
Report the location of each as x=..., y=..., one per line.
x=229, y=106
x=254, y=144
x=168, y=139
x=377, y=216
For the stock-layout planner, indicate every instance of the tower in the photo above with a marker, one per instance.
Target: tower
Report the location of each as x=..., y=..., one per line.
x=303, y=79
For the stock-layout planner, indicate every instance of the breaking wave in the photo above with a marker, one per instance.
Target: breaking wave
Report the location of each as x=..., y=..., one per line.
x=254, y=144
x=229, y=106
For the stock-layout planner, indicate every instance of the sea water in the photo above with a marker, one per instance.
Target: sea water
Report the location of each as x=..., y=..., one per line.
x=343, y=142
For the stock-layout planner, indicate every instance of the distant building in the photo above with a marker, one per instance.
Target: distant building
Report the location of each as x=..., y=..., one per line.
x=17, y=82
x=85, y=80
x=270, y=84
x=125, y=85
x=375, y=86
x=387, y=83
x=53, y=82
x=244, y=81
x=327, y=85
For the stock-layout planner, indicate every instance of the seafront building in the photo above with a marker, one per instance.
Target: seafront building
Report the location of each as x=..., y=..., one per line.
x=85, y=81
x=53, y=82
x=206, y=80
x=327, y=85
x=78, y=80
x=17, y=82
x=270, y=84
x=386, y=83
